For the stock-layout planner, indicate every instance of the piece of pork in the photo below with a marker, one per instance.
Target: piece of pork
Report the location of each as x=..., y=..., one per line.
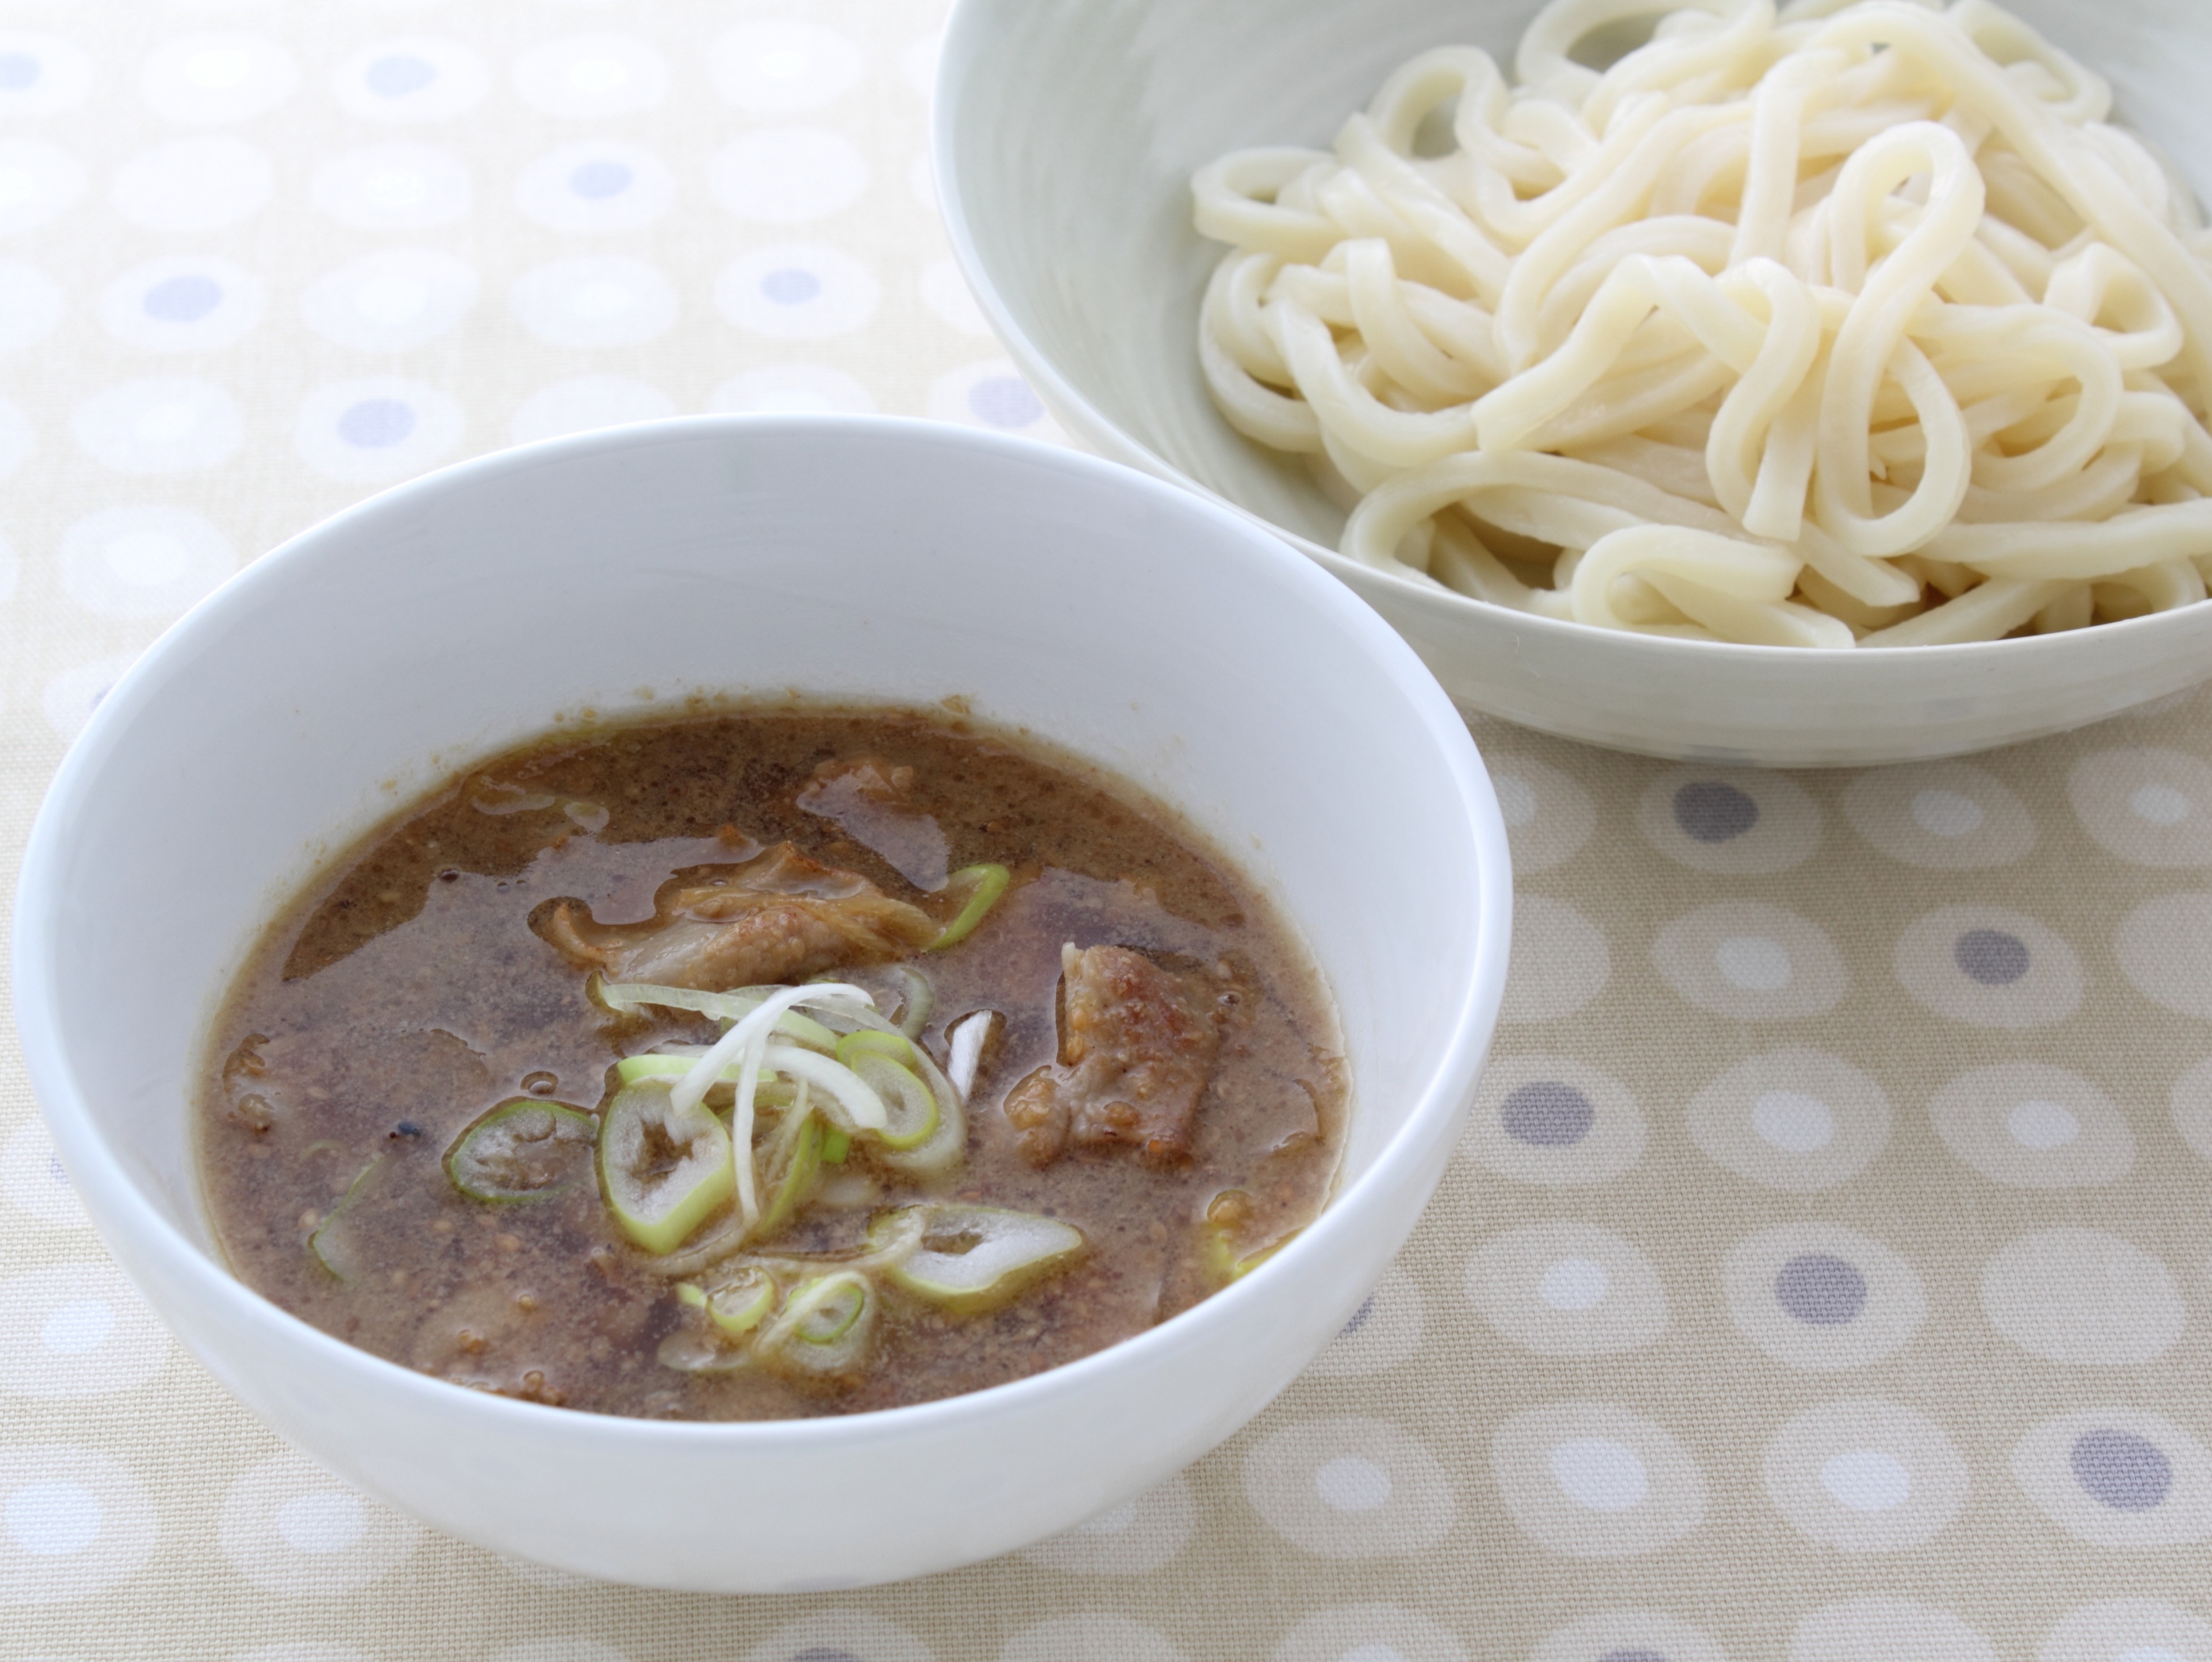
x=782, y=917
x=1137, y=1044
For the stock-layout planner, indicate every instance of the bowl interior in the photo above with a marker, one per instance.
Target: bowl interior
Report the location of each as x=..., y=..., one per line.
x=1129, y=623
x=1072, y=134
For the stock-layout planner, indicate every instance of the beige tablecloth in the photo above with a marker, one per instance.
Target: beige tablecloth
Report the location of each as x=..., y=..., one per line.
x=1825, y=1276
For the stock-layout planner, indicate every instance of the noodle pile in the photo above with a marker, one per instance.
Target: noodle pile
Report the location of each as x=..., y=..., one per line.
x=1834, y=325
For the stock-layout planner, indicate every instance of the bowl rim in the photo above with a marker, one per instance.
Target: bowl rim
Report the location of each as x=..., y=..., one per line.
x=962, y=28
x=117, y=1205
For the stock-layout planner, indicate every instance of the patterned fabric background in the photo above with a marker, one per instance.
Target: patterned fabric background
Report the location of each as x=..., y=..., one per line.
x=1826, y=1274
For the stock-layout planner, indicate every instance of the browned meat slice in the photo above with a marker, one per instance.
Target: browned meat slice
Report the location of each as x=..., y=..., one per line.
x=780, y=918
x=1136, y=1044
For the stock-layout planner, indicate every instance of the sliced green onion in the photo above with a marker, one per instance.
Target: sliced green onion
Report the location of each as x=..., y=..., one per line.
x=523, y=1150
x=691, y=1295
x=918, y=998
x=663, y=1167
x=836, y=1145
x=974, y=1258
x=966, y=1041
x=742, y=1302
x=824, y=1326
x=689, y=1351
x=628, y=997
x=852, y=1103
x=331, y=1245
x=911, y=1105
x=670, y=1064
x=981, y=885
x=795, y=1165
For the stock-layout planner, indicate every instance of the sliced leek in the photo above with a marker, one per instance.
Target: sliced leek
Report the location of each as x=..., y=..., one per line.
x=742, y=1302
x=331, y=1245
x=974, y=1258
x=980, y=887
x=883, y=1062
x=663, y=1167
x=793, y=1169
x=628, y=997
x=824, y=1327
x=525, y=1149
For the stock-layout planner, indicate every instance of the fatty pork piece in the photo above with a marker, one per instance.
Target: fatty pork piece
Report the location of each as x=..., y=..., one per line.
x=780, y=917
x=1136, y=1044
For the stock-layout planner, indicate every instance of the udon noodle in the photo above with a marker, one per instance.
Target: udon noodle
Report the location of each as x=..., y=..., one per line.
x=1833, y=325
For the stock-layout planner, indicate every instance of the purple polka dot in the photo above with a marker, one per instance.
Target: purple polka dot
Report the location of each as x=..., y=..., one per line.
x=1547, y=1114
x=1634, y=1653
x=376, y=423
x=791, y=286
x=182, y=299
x=18, y=70
x=1709, y=811
x=2126, y=1472
x=1359, y=1317
x=1820, y=1289
x=595, y=181
x=1990, y=957
x=399, y=75
x=824, y=1653
x=1004, y=401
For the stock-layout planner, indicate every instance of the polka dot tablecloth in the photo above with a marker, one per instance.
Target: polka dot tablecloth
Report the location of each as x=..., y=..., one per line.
x=1826, y=1274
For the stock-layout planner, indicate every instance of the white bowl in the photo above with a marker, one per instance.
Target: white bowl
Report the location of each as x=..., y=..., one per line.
x=1065, y=139
x=859, y=559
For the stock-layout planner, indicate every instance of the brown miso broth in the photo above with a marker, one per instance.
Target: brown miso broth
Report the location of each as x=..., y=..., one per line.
x=1156, y=1102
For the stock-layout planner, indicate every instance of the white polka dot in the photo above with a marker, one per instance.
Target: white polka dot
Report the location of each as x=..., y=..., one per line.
x=1599, y=1473
x=2165, y=950
x=2191, y=1104
x=862, y=1634
x=1751, y=961
x=599, y=187
x=778, y=64
x=41, y=74
x=991, y=394
x=798, y=291
x=1563, y=1289
x=595, y=301
x=2151, y=806
x=592, y=75
x=1739, y=821
x=184, y=303
x=2082, y=1296
x=144, y=562
x=1615, y=1636
x=1554, y=1120
x=1866, y=1475
x=921, y=181
x=72, y=1522
x=1939, y=816
x=393, y=187
x=18, y=439
x=1560, y=961
x=788, y=175
x=1352, y=1483
x=1793, y=1121
x=377, y=428
x=31, y=305
x=1594, y=1480
x=211, y=80
x=801, y=389
x=2118, y=1476
x=1886, y=1629
x=586, y=403
x=2128, y=1630
x=191, y=185
x=1989, y=966
x=1369, y=1632
x=392, y=301
x=33, y=1177
x=412, y=80
x=2033, y=1126
x=1548, y=816
x=288, y=1527
x=38, y=182
x=1137, y=1538
x=1405, y=1504
x=72, y=696
x=1821, y=1297
x=167, y=425
x=1384, y=1331
x=947, y=295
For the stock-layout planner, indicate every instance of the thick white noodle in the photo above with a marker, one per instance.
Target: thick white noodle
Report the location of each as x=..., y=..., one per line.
x=1826, y=326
